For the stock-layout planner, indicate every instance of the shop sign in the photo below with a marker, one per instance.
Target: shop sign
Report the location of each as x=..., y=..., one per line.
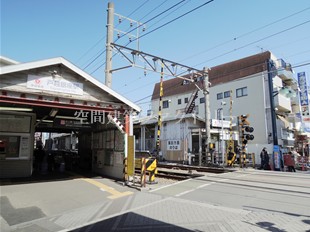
x=173, y=145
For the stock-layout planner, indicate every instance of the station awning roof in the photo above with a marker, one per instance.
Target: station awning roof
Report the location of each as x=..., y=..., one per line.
x=51, y=85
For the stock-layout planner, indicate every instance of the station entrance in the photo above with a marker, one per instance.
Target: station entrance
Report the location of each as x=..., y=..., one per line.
x=54, y=96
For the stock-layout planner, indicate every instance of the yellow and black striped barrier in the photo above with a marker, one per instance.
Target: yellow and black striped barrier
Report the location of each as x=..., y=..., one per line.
x=125, y=177
x=148, y=165
x=151, y=167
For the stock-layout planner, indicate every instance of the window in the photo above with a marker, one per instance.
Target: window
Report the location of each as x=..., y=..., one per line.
x=242, y=92
x=202, y=100
x=165, y=104
x=219, y=96
x=186, y=100
x=179, y=101
x=226, y=94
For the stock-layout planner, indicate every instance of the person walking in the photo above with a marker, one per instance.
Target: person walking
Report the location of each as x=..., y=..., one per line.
x=39, y=155
x=262, y=157
x=266, y=161
x=291, y=164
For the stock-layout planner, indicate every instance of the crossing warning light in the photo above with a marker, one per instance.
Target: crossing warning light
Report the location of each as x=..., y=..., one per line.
x=246, y=129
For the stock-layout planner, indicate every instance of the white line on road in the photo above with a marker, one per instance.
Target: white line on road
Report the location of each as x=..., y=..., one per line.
x=188, y=191
x=179, y=182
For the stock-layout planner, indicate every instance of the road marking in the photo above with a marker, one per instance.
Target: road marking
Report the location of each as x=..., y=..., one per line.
x=105, y=188
x=188, y=191
x=204, y=185
x=166, y=186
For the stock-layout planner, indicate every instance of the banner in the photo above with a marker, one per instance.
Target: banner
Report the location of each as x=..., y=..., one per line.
x=303, y=95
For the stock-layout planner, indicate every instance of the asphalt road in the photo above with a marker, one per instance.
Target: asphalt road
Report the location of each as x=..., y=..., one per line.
x=245, y=200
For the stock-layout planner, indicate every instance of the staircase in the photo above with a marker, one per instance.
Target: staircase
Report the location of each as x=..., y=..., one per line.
x=191, y=103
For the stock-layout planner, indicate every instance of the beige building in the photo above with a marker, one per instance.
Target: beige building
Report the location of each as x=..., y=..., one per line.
x=262, y=86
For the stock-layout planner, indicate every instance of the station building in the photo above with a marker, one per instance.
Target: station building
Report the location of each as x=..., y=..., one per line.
x=54, y=95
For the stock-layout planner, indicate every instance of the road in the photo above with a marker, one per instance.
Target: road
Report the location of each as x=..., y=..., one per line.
x=244, y=200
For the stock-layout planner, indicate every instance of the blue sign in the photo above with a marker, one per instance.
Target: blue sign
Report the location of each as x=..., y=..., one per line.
x=276, y=158
x=302, y=82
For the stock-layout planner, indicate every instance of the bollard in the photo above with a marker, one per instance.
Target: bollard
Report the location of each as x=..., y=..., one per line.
x=143, y=172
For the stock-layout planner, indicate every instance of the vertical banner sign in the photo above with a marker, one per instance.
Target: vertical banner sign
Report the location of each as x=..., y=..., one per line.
x=303, y=94
x=276, y=157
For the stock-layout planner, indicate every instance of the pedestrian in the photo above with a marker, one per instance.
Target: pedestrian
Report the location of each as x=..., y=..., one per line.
x=39, y=155
x=51, y=162
x=266, y=161
x=291, y=166
x=262, y=157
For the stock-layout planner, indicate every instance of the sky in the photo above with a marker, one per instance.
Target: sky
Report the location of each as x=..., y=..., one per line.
x=195, y=33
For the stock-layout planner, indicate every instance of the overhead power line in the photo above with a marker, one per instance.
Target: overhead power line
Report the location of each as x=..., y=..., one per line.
x=181, y=16
x=176, y=86
x=246, y=34
x=156, y=16
x=102, y=38
x=256, y=41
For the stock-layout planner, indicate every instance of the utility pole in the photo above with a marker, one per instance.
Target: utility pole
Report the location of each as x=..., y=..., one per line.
x=207, y=114
x=108, y=63
x=270, y=69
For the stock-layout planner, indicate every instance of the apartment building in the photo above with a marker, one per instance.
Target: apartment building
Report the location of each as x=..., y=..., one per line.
x=260, y=86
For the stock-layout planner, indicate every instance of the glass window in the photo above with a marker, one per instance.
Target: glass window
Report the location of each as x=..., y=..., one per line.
x=186, y=100
x=9, y=146
x=226, y=94
x=242, y=92
x=179, y=101
x=202, y=100
x=219, y=96
x=165, y=104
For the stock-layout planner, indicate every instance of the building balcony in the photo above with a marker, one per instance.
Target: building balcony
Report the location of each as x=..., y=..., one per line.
x=285, y=74
x=282, y=103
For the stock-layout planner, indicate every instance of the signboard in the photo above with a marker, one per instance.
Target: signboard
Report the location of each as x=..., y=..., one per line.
x=54, y=84
x=303, y=94
x=173, y=145
x=218, y=123
x=276, y=158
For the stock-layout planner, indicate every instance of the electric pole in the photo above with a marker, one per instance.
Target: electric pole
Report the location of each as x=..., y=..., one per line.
x=108, y=63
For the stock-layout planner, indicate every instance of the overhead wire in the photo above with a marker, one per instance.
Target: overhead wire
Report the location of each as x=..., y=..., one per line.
x=156, y=16
x=171, y=21
x=246, y=34
x=100, y=40
x=267, y=37
x=176, y=86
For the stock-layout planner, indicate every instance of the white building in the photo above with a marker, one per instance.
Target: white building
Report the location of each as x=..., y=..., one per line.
x=273, y=107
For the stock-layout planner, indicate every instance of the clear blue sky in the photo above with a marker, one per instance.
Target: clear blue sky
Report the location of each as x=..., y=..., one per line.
x=76, y=30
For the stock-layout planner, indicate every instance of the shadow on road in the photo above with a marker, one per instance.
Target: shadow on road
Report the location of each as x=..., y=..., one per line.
x=131, y=222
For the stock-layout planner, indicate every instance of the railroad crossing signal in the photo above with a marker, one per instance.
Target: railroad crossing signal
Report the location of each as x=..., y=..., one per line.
x=246, y=129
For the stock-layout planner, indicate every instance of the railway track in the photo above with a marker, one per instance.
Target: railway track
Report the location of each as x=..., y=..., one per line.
x=193, y=168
